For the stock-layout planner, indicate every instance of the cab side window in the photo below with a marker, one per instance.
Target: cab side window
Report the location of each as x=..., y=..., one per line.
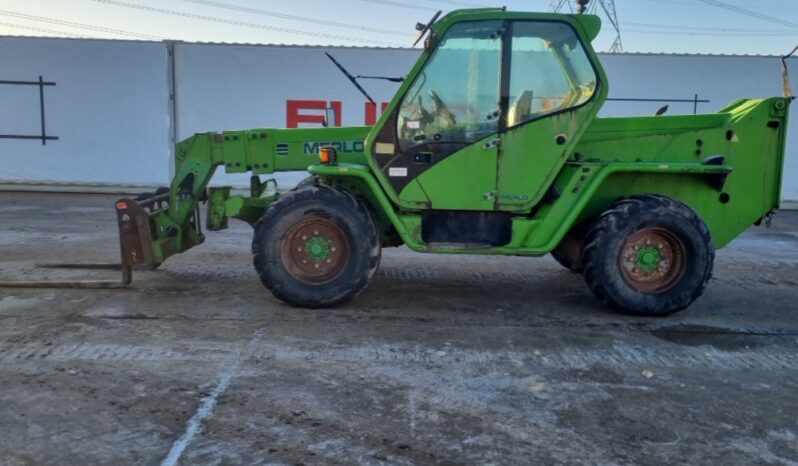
x=550, y=71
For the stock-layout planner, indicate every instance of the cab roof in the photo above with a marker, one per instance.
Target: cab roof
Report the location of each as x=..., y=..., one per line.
x=588, y=26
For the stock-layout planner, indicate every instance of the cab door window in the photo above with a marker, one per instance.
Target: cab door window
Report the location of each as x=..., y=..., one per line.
x=550, y=71
x=454, y=100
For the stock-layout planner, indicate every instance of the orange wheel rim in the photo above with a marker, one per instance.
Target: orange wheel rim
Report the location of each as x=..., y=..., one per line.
x=315, y=251
x=652, y=260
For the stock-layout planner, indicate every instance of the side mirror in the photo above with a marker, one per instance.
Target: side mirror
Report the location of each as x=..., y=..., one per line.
x=330, y=117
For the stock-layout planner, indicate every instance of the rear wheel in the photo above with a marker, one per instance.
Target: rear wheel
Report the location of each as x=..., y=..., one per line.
x=316, y=247
x=648, y=255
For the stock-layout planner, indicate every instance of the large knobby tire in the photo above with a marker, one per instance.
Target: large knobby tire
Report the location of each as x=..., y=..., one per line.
x=316, y=247
x=648, y=255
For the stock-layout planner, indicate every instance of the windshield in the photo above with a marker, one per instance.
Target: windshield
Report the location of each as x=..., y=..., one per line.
x=455, y=99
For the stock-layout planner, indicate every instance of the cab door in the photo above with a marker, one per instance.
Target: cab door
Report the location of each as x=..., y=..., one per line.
x=446, y=125
x=550, y=95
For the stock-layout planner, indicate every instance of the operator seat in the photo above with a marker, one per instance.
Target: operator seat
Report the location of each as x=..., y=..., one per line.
x=521, y=109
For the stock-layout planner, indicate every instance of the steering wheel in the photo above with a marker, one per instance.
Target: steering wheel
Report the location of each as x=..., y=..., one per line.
x=440, y=110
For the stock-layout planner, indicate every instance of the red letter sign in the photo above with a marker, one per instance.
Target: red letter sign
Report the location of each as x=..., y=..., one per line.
x=293, y=118
x=371, y=112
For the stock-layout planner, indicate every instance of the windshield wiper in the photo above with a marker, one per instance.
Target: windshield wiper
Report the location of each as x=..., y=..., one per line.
x=353, y=79
x=386, y=78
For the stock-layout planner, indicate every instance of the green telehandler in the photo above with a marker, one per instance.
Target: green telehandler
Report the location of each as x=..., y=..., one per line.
x=491, y=145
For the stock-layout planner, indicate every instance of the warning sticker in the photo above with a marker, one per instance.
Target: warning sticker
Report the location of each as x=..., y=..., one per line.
x=397, y=171
x=413, y=124
x=384, y=148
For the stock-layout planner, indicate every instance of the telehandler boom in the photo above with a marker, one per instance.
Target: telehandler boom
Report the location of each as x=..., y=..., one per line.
x=492, y=145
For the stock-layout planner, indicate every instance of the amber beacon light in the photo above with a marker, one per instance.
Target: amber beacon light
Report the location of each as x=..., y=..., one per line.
x=328, y=156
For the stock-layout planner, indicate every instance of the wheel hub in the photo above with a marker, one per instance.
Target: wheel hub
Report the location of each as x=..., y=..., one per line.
x=652, y=260
x=318, y=248
x=315, y=251
x=649, y=258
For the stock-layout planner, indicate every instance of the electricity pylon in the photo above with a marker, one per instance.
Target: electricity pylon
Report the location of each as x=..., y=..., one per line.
x=607, y=6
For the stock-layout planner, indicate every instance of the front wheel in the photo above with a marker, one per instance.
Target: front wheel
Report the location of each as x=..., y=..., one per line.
x=648, y=255
x=316, y=247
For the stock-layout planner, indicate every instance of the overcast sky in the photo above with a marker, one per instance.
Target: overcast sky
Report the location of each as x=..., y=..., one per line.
x=682, y=26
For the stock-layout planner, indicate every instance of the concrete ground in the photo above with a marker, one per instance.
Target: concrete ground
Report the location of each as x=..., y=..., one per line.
x=442, y=360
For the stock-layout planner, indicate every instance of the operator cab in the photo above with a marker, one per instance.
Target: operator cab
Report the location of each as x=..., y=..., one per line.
x=456, y=97
x=473, y=127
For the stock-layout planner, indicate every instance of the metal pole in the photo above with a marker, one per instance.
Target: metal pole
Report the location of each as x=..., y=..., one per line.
x=172, y=76
x=695, y=105
x=41, y=109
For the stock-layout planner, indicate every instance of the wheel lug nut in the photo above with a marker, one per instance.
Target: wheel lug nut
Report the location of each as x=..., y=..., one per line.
x=329, y=261
x=304, y=237
x=316, y=265
x=332, y=249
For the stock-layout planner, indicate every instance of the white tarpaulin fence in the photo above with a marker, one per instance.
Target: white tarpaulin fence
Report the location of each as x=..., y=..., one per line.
x=108, y=109
x=111, y=110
